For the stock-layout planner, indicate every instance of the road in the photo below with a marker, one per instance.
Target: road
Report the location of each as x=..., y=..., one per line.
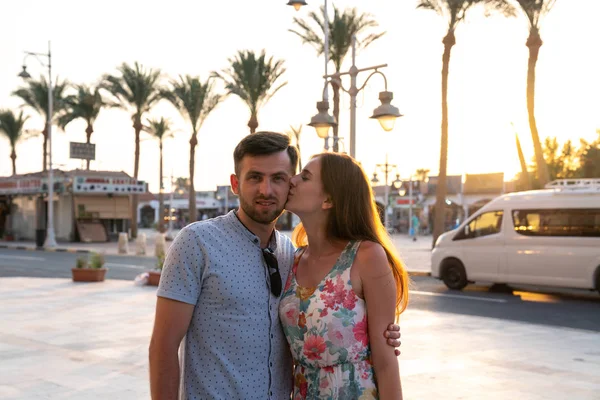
x=566, y=308
x=43, y=264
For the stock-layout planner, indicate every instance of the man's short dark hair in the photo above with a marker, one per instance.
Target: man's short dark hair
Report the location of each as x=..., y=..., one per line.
x=264, y=144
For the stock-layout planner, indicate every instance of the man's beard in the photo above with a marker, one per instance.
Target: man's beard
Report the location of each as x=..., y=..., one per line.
x=261, y=218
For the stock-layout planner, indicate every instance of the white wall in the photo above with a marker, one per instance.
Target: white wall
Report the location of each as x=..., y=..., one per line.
x=63, y=221
x=24, y=221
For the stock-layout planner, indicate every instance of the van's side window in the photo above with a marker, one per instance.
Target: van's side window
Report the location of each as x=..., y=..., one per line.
x=558, y=222
x=488, y=223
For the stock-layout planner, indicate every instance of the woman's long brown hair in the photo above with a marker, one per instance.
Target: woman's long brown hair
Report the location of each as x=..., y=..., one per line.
x=354, y=215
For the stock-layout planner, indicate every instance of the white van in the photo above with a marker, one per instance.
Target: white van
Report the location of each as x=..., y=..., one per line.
x=542, y=237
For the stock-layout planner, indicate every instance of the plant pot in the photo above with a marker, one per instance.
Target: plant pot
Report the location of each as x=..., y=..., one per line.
x=153, y=278
x=88, y=274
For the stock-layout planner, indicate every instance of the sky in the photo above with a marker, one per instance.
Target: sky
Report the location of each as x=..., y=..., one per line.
x=487, y=83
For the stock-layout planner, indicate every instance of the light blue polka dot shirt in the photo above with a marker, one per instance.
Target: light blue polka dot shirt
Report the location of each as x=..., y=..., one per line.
x=235, y=347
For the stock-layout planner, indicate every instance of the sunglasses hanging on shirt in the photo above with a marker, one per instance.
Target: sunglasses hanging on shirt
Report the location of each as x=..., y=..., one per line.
x=274, y=275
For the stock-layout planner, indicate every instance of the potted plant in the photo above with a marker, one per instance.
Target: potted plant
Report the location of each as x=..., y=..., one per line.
x=92, y=271
x=154, y=275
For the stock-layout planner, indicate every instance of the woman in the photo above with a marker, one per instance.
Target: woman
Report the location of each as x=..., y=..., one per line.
x=345, y=269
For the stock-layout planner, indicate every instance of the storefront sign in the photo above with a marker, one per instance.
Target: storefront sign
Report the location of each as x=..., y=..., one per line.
x=15, y=186
x=101, y=184
x=405, y=201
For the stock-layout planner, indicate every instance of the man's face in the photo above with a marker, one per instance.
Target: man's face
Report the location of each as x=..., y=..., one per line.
x=263, y=185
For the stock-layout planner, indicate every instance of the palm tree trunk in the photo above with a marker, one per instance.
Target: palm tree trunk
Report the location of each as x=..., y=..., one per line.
x=253, y=123
x=161, y=196
x=534, y=42
x=299, y=153
x=88, y=133
x=525, y=181
x=336, y=114
x=45, y=149
x=137, y=126
x=440, y=193
x=192, y=191
x=13, y=156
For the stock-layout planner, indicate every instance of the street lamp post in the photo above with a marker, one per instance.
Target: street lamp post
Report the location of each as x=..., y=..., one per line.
x=323, y=120
x=50, y=235
x=386, y=113
x=387, y=168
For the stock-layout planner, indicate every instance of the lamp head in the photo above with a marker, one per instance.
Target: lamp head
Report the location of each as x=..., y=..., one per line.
x=322, y=121
x=397, y=182
x=386, y=113
x=375, y=180
x=24, y=74
x=296, y=4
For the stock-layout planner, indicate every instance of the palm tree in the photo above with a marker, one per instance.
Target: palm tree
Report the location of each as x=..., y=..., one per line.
x=160, y=129
x=254, y=79
x=35, y=95
x=455, y=12
x=195, y=100
x=11, y=126
x=342, y=28
x=534, y=10
x=136, y=90
x=422, y=174
x=85, y=104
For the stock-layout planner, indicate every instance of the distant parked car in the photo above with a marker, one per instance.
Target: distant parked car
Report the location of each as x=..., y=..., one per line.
x=545, y=237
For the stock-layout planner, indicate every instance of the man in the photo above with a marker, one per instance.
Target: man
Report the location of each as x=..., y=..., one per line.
x=220, y=288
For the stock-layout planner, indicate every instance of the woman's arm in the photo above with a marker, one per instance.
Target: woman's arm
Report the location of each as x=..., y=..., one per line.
x=379, y=290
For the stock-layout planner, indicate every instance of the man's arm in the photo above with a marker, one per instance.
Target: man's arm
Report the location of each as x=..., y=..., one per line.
x=171, y=323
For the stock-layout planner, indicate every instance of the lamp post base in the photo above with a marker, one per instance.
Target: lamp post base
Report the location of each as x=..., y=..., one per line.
x=50, y=239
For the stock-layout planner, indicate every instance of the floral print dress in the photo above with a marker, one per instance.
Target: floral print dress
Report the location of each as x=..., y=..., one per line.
x=326, y=327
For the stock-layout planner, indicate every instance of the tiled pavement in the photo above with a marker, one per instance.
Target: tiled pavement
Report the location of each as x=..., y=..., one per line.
x=62, y=340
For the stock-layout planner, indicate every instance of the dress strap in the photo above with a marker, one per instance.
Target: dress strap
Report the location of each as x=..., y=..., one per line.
x=348, y=254
x=297, y=256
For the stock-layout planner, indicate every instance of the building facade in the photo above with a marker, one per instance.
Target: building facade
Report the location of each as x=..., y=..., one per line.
x=90, y=206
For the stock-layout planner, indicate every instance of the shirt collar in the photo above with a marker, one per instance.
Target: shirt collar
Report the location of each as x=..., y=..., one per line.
x=235, y=221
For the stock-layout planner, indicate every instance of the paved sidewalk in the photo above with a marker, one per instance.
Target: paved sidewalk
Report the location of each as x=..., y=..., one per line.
x=416, y=255
x=65, y=341
x=109, y=248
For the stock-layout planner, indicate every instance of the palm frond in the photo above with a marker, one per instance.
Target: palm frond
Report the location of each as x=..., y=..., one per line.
x=34, y=94
x=433, y=5
x=534, y=10
x=253, y=78
x=343, y=25
x=455, y=11
x=135, y=88
x=86, y=104
x=158, y=128
x=11, y=126
x=193, y=98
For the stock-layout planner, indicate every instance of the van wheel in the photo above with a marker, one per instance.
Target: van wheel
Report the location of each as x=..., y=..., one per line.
x=454, y=275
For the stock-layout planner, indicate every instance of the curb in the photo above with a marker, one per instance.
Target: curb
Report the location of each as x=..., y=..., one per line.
x=55, y=250
x=419, y=273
